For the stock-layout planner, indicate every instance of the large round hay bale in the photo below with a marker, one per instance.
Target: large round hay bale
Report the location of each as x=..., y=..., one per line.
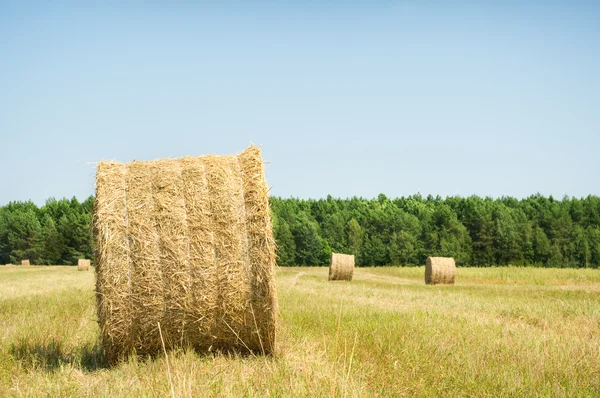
x=440, y=270
x=25, y=262
x=83, y=264
x=187, y=244
x=342, y=267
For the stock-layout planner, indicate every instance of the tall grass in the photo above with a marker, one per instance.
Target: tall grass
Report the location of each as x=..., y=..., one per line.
x=497, y=332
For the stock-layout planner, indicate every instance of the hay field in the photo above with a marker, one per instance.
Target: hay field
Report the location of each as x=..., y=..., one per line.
x=497, y=332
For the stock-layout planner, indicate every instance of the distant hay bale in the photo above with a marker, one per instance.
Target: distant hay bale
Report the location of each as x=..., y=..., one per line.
x=440, y=270
x=83, y=264
x=10, y=265
x=186, y=243
x=342, y=267
x=25, y=262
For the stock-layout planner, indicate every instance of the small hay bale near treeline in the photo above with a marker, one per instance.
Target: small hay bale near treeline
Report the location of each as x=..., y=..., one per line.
x=25, y=262
x=185, y=253
x=83, y=264
x=440, y=270
x=341, y=267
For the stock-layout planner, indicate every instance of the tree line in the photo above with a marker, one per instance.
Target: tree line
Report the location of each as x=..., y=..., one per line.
x=57, y=233
x=537, y=231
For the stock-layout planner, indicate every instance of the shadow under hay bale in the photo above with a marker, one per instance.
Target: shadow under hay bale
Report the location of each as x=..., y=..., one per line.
x=187, y=244
x=83, y=264
x=50, y=355
x=341, y=267
x=440, y=270
x=25, y=262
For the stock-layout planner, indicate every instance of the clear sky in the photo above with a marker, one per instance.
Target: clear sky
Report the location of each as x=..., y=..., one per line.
x=348, y=98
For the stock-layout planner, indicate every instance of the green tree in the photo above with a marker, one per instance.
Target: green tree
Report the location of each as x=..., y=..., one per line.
x=593, y=237
x=24, y=233
x=404, y=246
x=507, y=240
x=555, y=259
x=541, y=247
x=355, y=236
x=446, y=236
x=5, y=248
x=580, y=254
x=310, y=248
x=374, y=251
x=286, y=248
x=334, y=232
x=53, y=242
x=477, y=216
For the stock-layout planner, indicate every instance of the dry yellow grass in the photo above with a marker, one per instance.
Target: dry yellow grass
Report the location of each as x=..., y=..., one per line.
x=385, y=334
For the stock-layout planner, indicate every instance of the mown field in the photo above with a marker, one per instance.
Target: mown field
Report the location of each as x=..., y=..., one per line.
x=498, y=332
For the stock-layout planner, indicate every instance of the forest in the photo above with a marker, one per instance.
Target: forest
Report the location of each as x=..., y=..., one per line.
x=535, y=231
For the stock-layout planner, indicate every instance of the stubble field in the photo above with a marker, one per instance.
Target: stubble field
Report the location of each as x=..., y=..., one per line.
x=497, y=332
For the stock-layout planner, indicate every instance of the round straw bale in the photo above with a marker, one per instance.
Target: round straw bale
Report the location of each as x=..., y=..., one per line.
x=83, y=264
x=342, y=267
x=185, y=248
x=25, y=262
x=440, y=270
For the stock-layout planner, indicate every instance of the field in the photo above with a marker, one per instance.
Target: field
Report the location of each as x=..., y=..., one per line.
x=497, y=332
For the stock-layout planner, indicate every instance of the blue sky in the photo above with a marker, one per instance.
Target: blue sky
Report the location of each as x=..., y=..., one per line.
x=348, y=98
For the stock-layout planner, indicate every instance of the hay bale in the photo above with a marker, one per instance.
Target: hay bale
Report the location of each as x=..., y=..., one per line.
x=342, y=267
x=186, y=243
x=83, y=264
x=10, y=265
x=440, y=270
x=25, y=262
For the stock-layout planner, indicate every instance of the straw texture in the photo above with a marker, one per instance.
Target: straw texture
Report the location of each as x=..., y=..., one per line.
x=25, y=262
x=187, y=243
x=342, y=267
x=440, y=270
x=83, y=264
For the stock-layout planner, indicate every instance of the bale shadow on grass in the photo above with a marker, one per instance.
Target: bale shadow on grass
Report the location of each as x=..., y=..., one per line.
x=51, y=355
